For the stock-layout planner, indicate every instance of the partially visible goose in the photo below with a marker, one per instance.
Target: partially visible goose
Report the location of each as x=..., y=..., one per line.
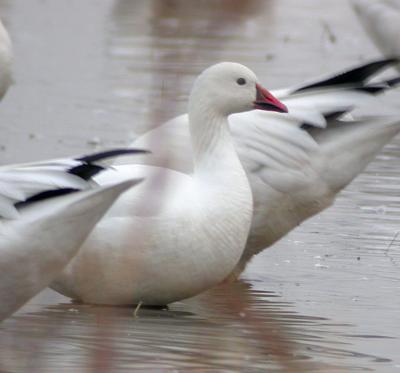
x=381, y=20
x=47, y=209
x=191, y=232
x=297, y=163
x=6, y=61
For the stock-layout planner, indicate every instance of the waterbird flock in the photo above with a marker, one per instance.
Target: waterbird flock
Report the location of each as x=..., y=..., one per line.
x=233, y=186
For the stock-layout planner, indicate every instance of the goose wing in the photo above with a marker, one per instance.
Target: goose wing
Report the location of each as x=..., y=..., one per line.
x=310, y=104
x=31, y=182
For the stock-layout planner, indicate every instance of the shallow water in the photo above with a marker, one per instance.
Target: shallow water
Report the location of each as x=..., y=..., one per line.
x=95, y=74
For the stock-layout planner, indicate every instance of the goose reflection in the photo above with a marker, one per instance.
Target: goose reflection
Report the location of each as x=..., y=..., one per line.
x=163, y=43
x=227, y=327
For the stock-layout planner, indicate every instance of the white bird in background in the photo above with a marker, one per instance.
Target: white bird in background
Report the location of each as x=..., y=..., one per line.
x=6, y=61
x=176, y=235
x=381, y=20
x=47, y=209
x=297, y=163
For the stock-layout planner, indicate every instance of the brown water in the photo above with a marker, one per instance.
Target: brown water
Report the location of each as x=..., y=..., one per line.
x=93, y=74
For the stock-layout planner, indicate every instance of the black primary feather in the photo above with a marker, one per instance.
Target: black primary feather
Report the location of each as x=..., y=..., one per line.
x=393, y=82
x=379, y=87
x=85, y=171
x=328, y=117
x=95, y=157
x=46, y=195
x=355, y=76
x=373, y=89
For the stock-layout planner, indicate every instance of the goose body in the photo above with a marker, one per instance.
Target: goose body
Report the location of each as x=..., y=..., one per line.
x=39, y=231
x=297, y=163
x=190, y=232
x=381, y=20
x=170, y=248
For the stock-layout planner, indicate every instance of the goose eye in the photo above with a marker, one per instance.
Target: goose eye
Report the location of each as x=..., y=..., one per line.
x=241, y=81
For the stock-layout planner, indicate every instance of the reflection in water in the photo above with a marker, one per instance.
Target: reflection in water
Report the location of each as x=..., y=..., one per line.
x=4, y=7
x=224, y=328
x=199, y=24
x=174, y=38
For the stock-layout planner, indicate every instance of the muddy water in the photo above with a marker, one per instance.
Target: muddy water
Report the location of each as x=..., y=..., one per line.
x=93, y=74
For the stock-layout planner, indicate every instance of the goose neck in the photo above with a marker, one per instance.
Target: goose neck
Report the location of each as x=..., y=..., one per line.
x=211, y=140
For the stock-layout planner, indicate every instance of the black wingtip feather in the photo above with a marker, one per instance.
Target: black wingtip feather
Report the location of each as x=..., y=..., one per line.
x=95, y=157
x=88, y=169
x=393, y=82
x=328, y=117
x=375, y=88
x=85, y=171
x=355, y=76
x=46, y=195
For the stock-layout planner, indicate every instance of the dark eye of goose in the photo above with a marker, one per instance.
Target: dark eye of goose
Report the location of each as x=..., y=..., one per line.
x=241, y=81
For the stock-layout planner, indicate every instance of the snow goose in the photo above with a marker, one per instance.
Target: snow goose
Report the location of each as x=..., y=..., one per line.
x=294, y=169
x=381, y=20
x=6, y=61
x=191, y=232
x=40, y=232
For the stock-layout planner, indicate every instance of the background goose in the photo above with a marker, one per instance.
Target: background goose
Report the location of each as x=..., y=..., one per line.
x=6, y=60
x=39, y=232
x=381, y=20
x=297, y=163
x=191, y=232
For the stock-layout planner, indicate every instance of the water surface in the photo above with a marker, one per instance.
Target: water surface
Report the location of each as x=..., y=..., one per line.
x=96, y=74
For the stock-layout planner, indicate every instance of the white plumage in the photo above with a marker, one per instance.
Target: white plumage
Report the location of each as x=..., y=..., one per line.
x=6, y=61
x=381, y=20
x=38, y=238
x=175, y=235
x=294, y=173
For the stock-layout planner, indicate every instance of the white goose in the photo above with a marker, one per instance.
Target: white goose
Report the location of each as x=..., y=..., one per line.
x=6, y=61
x=44, y=218
x=295, y=169
x=192, y=230
x=381, y=20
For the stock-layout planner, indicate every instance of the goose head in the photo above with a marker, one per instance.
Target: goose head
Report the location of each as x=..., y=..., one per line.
x=228, y=88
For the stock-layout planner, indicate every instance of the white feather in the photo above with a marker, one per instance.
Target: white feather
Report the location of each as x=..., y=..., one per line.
x=381, y=20
x=293, y=174
x=36, y=247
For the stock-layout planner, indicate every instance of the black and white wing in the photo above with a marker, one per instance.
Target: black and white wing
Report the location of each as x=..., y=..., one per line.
x=31, y=182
